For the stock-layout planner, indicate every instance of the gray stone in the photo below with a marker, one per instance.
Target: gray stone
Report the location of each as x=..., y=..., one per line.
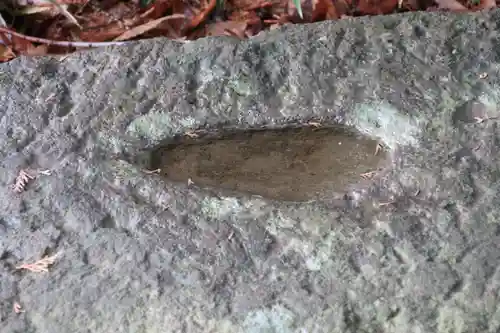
x=413, y=249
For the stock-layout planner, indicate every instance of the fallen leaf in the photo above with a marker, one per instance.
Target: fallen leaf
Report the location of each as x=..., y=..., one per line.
x=6, y=53
x=203, y=14
x=377, y=7
x=225, y=28
x=39, y=50
x=141, y=29
x=36, y=10
x=451, y=5
x=257, y=5
x=488, y=4
x=324, y=10
x=102, y=34
x=63, y=9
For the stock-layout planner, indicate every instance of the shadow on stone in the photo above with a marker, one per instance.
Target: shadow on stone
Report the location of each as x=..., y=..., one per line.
x=294, y=164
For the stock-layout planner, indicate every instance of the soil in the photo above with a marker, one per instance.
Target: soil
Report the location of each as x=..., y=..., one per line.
x=292, y=164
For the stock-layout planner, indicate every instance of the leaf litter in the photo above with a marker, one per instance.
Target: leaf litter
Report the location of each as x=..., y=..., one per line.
x=41, y=27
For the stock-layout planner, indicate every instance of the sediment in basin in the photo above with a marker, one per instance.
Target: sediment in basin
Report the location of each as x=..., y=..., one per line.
x=293, y=164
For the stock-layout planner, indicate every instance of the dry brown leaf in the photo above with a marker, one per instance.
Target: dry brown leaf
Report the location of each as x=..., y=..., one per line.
x=253, y=6
x=63, y=9
x=103, y=34
x=141, y=29
x=203, y=14
x=376, y=7
x=39, y=50
x=324, y=10
x=226, y=28
x=6, y=53
x=452, y=5
x=37, y=10
x=19, y=44
x=160, y=7
x=488, y=4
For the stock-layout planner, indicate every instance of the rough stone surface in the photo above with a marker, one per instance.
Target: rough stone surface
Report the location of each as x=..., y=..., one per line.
x=415, y=250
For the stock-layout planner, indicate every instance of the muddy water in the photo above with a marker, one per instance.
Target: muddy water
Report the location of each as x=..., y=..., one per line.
x=290, y=165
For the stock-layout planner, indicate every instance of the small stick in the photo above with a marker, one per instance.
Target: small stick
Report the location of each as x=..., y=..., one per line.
x=48, y=3
x=60, y=43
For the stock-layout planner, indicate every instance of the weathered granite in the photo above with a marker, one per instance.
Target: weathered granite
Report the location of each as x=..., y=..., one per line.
x=416, y=250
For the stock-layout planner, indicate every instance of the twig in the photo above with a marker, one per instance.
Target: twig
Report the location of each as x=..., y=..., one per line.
x=61, y=43
x=41, y=265
x=48, y=3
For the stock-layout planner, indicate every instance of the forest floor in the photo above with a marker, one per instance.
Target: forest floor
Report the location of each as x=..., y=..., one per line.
x=39, y=27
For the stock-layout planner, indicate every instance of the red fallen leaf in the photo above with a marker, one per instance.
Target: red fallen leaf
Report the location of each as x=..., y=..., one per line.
x=258, y=5
x=226, y=28
x=39, y=50
x=158, y=9
x=451, y=5
x=103, y=34
x=377, y=7
x=487, y=4
x=203, y=14
x=343, y=8
x=412, y=5
x=324, y=10
x=143, y=28
x=19, y=44
x=6, y=53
